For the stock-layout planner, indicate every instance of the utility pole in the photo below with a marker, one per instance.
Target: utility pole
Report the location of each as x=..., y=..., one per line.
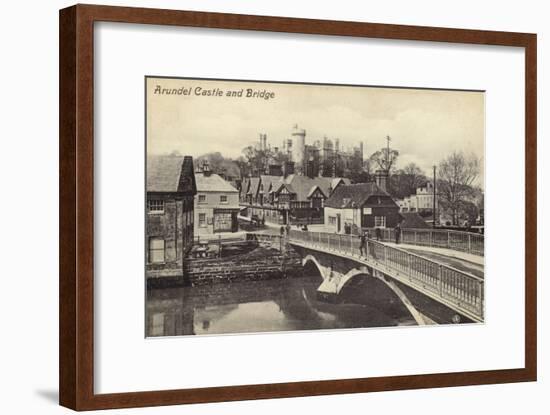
x=434, y=197
x=388, y=139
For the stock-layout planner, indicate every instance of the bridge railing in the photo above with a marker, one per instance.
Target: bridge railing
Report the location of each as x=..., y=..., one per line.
x=463, y=289
x=469, y=242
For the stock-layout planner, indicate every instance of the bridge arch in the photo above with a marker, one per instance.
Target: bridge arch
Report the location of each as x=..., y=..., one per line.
x=352, y=273
x=311, y=259
x=418, y=317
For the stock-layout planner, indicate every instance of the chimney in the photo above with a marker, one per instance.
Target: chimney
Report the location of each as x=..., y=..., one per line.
x=275, y=170
x=288, y=168
x=206, y=168
x=381, y=177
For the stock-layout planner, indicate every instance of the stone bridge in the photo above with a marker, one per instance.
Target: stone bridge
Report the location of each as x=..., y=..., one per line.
x=339, y=259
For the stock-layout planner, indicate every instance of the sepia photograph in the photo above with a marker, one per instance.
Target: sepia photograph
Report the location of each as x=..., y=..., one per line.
x=281, y=206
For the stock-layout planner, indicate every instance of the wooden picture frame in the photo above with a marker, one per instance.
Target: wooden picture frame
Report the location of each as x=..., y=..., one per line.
x=76, y=303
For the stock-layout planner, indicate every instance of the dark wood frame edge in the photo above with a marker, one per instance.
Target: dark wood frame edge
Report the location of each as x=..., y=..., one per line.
x=76, y=207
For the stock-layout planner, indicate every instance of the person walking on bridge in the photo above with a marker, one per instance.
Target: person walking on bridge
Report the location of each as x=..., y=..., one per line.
x=363, y=244
x=397, y=233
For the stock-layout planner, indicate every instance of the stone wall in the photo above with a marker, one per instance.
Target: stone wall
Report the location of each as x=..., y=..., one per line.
x=175, y=227
x=261, y=264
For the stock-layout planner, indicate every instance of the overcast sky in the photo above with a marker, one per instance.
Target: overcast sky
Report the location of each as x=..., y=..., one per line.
x=424, y=125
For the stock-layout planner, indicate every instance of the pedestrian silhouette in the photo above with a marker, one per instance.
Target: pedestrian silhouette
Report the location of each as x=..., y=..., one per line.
x=397, y=233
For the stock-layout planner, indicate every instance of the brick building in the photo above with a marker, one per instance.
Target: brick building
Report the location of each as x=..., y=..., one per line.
x=362, y=205
x=171, y=187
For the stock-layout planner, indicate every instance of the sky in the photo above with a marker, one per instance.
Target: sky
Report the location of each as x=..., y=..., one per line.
x=424, y=125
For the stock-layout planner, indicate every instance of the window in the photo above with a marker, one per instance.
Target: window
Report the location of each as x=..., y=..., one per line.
x=316, y=202
x=380, y=221
x=156, y=250
x=202, y=198
x=155, y=206
x=223, y=198
x=332, y=220
x=202, y=220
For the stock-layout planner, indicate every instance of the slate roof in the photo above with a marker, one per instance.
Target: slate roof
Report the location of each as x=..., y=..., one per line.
x=357, y=194
x=302, y=185
x=334, y=182
x=254, y=183
x=413, y=220
x=213, y=183
x=169, y=173
x=312, y=191
x=244, y=187
x=268, y=180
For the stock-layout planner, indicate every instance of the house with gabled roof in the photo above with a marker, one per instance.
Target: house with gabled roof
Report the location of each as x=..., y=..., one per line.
x=216, y=204
x=362, y=205
x=171, y=187
x=296, y=198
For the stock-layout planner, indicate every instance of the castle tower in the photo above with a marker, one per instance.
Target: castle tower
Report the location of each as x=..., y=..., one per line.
x=298, y=149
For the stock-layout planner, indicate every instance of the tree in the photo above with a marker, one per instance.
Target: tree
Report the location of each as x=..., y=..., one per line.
x=227, y=168
x=361, y=177
x=413, y=176
x=215, y=161
x=406, y=180
x=367, y=166
x=457, y=172
x=469, y=212
x=243, y=166
x=257, y=159
x=385, y=158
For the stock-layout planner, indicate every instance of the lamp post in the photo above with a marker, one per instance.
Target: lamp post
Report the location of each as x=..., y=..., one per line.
x=352, y=216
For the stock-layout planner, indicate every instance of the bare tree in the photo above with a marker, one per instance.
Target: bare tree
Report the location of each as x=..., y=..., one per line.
x=457, y=173
x=385, y=158
x=412, y=177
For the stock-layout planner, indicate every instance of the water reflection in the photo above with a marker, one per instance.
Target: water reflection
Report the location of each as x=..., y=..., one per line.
x=275, y=305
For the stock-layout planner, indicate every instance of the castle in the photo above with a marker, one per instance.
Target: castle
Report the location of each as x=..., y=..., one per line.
x=321, y=158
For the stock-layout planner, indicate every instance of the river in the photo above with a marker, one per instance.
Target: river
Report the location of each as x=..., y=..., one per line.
x=275, y=305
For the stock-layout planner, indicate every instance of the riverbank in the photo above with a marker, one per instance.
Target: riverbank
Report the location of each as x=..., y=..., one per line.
x=239, y=261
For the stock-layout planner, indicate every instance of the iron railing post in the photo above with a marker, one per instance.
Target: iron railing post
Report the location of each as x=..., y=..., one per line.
x=409, y=267
x=469, y=243
x=480, y=295
x=440, y=280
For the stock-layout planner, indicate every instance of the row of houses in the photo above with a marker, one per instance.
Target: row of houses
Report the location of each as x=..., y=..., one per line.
x=293, y=199
x=341, y=206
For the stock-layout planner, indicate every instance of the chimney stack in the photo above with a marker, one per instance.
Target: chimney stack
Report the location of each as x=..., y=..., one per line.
x=206, y=168
x=381, y=177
